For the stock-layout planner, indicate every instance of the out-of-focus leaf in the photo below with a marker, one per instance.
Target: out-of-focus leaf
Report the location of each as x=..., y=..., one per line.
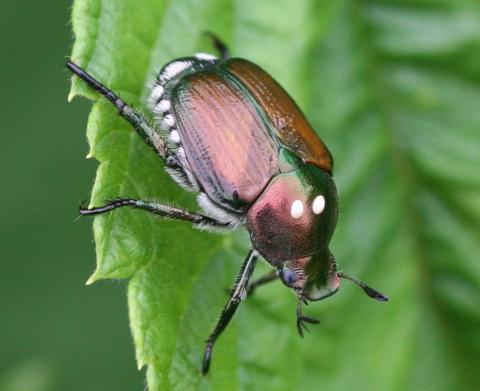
x=393, y=87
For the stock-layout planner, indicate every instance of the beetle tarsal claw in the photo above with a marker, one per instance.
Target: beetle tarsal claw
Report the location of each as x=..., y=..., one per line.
x=300, y=327
x=306, y=319
x=302, y=319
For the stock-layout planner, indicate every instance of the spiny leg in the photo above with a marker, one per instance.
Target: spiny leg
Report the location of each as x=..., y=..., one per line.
x=157, y=209
x=265, y=279
x=237, y=294
x=219, y=45
x=149, y=133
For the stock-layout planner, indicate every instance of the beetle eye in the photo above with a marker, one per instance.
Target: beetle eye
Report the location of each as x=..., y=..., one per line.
x=288, y=277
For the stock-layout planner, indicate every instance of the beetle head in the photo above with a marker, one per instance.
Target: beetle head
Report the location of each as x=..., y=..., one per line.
x=313, y=277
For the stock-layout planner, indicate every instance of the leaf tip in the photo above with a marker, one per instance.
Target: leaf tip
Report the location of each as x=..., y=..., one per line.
x=91, y=279
x=71, y=95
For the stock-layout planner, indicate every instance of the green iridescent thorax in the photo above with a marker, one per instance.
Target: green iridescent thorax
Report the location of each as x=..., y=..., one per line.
x=295, y=215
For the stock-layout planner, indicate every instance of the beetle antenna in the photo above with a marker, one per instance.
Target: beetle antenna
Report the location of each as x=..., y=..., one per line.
x=374, y=294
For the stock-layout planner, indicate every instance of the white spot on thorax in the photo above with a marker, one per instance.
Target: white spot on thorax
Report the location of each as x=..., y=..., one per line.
x=318, y=204
x=296, y=210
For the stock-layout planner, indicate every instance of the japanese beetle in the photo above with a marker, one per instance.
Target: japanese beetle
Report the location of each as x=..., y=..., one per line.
x=227, y=130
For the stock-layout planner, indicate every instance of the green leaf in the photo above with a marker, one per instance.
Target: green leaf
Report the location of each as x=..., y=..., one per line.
x=393, y=87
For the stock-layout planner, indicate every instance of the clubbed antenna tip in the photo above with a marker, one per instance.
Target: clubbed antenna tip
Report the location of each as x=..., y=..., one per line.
x=373, y=293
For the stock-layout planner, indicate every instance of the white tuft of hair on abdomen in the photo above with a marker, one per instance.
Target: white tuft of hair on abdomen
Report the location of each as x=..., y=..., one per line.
x=174, y=137
x=217, y=212
x=173, y=69
x=156, y=95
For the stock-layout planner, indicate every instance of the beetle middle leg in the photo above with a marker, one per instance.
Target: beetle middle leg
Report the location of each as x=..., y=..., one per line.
x=265, y=279
x=238, y=293
x=157, y=209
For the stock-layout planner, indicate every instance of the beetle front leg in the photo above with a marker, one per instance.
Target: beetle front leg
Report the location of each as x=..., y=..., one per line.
x=239, y=292
x=162, y=210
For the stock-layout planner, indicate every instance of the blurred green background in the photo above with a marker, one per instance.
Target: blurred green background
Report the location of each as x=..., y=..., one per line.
x=55, y=333
x=394, y=87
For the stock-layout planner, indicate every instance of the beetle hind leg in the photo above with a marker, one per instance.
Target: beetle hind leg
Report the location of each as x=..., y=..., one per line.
x=164, y=142
x=153, y=136
x=219, y=45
